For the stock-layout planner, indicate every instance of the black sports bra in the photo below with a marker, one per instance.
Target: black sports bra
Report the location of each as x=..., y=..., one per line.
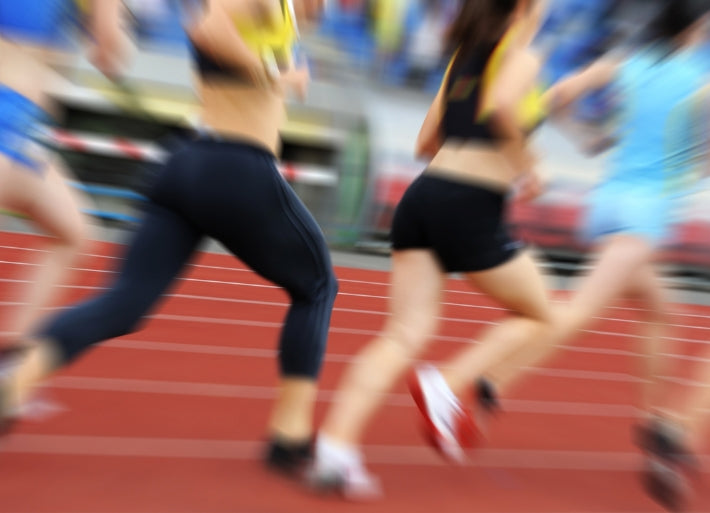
x=464, y=94
x=272, y=40
x=210, y=68
x=465, y=116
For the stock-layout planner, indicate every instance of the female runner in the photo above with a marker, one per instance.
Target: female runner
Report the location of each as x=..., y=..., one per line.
x=33, y=183
x=223, y=185
x=662, y=136
x=450, y=220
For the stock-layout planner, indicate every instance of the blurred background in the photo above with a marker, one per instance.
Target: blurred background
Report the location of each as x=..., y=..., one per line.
x=348, y=150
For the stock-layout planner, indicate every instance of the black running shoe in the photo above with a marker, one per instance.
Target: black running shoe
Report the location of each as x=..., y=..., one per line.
x=665, y=484
x=666, y=440
x=289, y=458
x=669, y=463
x=486, y=396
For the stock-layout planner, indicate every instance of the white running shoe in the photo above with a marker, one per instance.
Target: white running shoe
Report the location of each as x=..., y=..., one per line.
x=450, y=428
x=339, y=468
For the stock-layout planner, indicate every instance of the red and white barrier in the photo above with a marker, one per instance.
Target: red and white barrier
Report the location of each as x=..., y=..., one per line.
x=119, y=147
x=145, y=151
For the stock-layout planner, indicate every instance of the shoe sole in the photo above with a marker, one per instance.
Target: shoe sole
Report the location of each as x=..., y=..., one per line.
x=667, y=486
x=337, y=485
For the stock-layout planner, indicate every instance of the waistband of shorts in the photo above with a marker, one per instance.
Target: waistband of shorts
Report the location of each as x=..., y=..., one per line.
x=206, y=134
x=464, y=181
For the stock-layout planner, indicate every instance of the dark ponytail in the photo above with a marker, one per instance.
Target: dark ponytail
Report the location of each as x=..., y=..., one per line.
x=479, y=22
x=674, y=18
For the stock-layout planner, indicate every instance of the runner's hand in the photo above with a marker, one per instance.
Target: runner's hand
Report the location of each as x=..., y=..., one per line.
x=111, y=41
x=308, y=11
x=528, y=186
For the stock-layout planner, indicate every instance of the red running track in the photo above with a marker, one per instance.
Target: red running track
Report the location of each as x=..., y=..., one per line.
x=171, y=419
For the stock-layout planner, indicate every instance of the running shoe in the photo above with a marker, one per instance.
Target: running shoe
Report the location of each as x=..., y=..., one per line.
x=486, y=404
x=486, y=396
x=669, y=463
x=289, y=459
x=341, y=471
x=448, y=426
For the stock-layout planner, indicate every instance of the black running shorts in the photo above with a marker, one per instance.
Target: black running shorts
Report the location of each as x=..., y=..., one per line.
x=462, y=223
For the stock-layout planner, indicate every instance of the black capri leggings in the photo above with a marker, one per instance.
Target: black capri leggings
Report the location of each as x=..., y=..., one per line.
x=233, y=193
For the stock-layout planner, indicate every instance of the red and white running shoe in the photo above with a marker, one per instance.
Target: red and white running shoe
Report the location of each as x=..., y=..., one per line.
x=450, y=428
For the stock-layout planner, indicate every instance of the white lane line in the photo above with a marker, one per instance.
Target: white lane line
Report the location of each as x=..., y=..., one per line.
x=344, y=280
x=441, y=338
x=373, y=312
x=332, y=357
x=266, y=392
x=346, y=358
x=185, y=448
x=349, y=294
x=372, y=333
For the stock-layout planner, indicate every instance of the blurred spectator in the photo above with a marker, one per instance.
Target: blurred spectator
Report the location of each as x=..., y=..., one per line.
x=424, y=48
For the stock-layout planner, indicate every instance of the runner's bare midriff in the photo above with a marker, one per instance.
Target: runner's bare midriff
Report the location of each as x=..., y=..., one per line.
x=477, y=163
x=241, y=111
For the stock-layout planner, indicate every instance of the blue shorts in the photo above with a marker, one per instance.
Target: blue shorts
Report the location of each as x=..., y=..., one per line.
x=43, y=22
x=20, y=123
x=627, y=208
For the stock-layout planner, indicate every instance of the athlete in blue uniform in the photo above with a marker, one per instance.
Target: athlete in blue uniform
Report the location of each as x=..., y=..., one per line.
x=32, y=181
x=632, y=210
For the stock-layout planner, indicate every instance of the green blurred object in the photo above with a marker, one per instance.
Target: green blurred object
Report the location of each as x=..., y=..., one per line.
x=353, y=179
x=10, y=213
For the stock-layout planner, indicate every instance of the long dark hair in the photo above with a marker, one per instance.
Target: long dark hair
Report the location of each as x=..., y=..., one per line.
x=674, y=18
x=478, y=22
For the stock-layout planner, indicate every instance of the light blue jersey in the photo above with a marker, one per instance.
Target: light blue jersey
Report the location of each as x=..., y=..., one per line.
x=658, y=144
x=655, y=140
